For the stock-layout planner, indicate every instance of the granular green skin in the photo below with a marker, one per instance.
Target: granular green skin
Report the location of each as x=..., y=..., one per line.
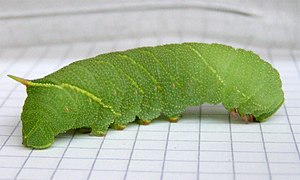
x=111, y=90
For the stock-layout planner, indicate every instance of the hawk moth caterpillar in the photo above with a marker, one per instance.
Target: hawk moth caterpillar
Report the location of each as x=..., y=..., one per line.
x=114, y=89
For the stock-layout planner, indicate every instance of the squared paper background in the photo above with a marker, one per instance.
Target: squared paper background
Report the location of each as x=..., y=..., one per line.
x=38, y=38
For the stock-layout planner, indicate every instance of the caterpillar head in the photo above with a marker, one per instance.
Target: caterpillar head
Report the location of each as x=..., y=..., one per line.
x=260, y=100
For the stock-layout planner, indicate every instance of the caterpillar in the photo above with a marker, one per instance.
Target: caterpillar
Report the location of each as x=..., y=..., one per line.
x=114, y=89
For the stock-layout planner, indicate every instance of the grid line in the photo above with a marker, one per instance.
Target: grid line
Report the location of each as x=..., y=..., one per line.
x=7, y=97
x=60, y=160
x=165, y=152
x=298, y=72
x=265, y=153
x=131, y=154
x=231, y=149
x=199, y=145
x=94, y=162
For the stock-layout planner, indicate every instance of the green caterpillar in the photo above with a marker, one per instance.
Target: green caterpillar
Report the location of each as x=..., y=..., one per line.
x=113, y=89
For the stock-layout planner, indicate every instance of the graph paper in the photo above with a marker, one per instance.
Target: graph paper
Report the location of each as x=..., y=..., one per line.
x=204, y=144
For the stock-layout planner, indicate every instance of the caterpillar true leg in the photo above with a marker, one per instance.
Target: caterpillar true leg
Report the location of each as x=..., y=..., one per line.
x=248, y=118
x=234, y=114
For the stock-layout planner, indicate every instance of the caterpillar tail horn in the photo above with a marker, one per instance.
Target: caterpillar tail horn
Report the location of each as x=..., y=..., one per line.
x=20, y=80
